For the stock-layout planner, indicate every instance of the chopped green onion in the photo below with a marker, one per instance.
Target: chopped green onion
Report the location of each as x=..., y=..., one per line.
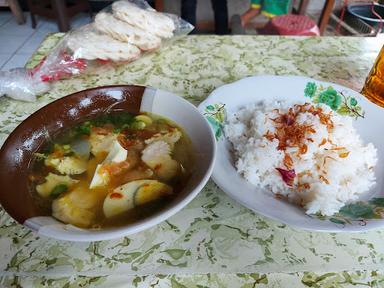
x=58, y=190
x=121, y=118
x=138, y=125
x=144, y=118
x=84, y=129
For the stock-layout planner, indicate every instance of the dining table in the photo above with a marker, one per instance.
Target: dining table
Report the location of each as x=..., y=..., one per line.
x=213, y=241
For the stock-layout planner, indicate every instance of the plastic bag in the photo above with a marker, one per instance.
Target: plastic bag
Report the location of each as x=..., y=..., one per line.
x=20, y=84
x=123, y=32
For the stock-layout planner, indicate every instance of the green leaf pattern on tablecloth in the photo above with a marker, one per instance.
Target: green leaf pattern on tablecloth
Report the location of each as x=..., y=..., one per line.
x=342, y=279
x=213, y=238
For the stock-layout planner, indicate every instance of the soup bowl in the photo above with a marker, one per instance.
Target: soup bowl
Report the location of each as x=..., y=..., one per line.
x=16, y=154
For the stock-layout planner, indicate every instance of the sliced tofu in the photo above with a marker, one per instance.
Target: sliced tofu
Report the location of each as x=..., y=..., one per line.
x=70, y=165
x=157, y=156
x=100, y=178
x=51, y=181
x=170, y=137
x=116, y=154
x=133, y=194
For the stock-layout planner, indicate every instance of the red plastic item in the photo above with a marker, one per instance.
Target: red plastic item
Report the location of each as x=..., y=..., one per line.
x=64, y=68
x=291, y=24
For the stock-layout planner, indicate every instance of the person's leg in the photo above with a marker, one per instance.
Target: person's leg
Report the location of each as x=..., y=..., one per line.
x=251, y=12
x=220, y=8
x=188, y=11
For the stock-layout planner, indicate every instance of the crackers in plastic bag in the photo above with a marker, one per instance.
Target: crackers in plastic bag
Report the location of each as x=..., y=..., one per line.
x=122, y=31
x=147, y=19
x=91, y=45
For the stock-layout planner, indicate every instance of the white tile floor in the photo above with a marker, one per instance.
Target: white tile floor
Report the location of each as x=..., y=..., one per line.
x=18, y=42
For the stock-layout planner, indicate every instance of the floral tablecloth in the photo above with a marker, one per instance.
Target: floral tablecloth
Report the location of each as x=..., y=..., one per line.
x=213, y=242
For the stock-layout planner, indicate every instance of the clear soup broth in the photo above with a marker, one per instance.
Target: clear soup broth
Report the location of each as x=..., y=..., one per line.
x=111, y=170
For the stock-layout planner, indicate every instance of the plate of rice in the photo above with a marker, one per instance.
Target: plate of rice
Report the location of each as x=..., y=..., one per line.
x=304, y=152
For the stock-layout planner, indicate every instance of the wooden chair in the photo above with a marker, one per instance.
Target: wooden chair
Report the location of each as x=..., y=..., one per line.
x=60, y=10
x=15, y=9
x=325, y=15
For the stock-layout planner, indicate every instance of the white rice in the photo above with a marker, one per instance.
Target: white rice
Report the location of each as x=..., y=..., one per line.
x=257, y=158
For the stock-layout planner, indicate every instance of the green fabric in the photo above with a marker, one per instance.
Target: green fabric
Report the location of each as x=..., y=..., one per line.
x=272, y=7
x=213, y=241
x=342, y=279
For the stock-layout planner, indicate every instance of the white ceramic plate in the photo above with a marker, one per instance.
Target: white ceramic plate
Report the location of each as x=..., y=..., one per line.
x=360, y=216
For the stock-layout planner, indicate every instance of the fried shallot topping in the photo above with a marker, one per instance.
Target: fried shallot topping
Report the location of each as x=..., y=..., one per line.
x=290, y=133
x=288, y=162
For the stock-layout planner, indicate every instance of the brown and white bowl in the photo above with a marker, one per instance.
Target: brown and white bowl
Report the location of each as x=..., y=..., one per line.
x=17, y=151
